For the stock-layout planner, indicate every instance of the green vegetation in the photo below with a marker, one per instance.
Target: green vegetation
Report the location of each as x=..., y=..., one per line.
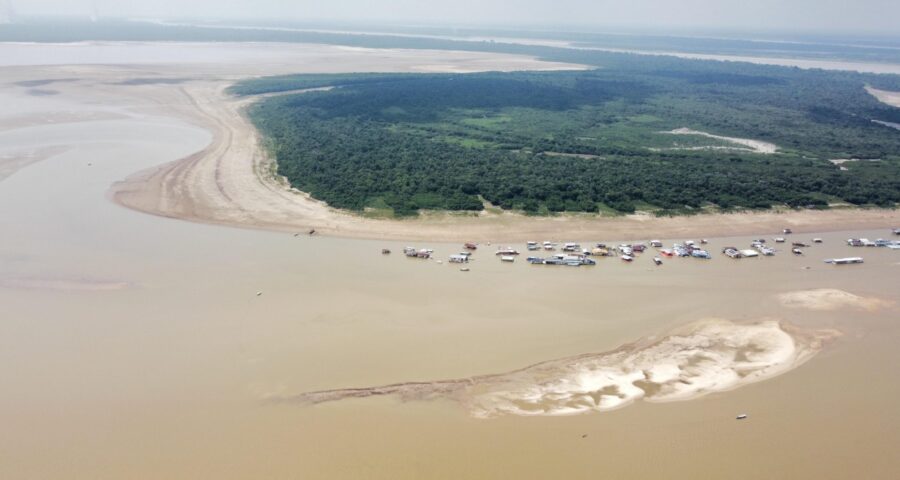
x=588, y=141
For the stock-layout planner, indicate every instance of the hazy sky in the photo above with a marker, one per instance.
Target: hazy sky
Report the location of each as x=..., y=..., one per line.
x=874, y=16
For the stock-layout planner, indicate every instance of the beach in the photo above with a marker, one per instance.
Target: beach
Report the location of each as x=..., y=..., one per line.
x=148, y=346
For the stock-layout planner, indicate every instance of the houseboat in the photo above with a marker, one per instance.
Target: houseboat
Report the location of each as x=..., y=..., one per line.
x=459, y=258
x=508, y=251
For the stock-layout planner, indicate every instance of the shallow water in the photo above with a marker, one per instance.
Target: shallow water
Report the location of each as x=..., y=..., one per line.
x=134, y=346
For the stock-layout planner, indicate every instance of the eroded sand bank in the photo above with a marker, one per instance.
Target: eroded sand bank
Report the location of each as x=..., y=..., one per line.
x=701, y=358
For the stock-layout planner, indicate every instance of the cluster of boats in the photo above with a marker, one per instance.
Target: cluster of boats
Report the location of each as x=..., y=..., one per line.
x=865, y=242
x=573, y=254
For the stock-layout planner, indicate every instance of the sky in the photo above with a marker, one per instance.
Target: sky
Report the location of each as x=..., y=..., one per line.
x=857, y=16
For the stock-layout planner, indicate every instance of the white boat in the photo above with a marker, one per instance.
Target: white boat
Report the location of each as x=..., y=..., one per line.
x=657, y=260
x=464, y=269
x=844, y=261
x=627, y=258
x=507, y=258
x=741, y=416
x=779, y=239
x=507, y=251
x=749, y=253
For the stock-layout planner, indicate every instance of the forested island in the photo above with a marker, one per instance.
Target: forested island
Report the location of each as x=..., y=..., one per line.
x=601, y=140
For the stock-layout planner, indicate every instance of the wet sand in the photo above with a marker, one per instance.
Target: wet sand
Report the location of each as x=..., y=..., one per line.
x=136, y=346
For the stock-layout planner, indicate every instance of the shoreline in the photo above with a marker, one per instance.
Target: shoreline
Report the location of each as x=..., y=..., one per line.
x=231, y=183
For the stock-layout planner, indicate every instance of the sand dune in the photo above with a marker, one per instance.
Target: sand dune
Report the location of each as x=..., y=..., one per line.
x=705, y=357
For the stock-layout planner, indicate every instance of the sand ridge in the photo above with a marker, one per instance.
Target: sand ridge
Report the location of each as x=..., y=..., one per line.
x=704, y=357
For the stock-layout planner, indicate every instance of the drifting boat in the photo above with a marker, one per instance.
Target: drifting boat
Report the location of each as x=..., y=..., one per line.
x=749, y=253
x=507, y=251
x=464, y=269
x=549, y=246
x=741, y=416
x=656, y=243
x=535, y=260
x=703, y=241
x=700, y=254
x=385, y=251
x=817, y=240
x=532, y=246
x=667, y=253
x=797, y=251
x=731, y=252
x=471, y=246
x=800, y=245
x=844, y=261
x=627, y=258
x=787, y=231
x=507, y=258
x=779, y=239
x=657, y=261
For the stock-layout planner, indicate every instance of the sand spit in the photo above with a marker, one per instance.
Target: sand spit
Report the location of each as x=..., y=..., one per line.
x=825, y=299
x=746, y=144
x=885, y=96
x=701, y=358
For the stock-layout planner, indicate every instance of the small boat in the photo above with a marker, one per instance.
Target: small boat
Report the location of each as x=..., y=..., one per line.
x=464, y=269
x=779, y=239
x=471, y=246
x=800, y=245
x=817, y=240
x=787, y=231
x=656, y=243
x=797, y=251
x=458, y=259
x=657, y=260
x=627, y=258
x=667, y=253
x=535, y=260
x=741, y=416
x=507, y=258
x=703, y=241
x=385, y=251
x=844, y=261
x=507, y=251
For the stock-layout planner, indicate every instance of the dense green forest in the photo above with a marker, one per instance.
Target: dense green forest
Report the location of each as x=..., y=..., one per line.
x=587, y=141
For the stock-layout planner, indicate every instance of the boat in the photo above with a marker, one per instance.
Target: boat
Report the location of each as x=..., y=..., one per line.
x=535, y=260
x=571, y=247
x=656, y=243
x=732, y=252
x=549, y=246
x=667, y=253
x=703, y=241
x=471, y=246
x=787, y=231
x=700, y=254
x=800, y=245
x=779, y=239
x=459, y=259
x=532, y=246
x=507, y=251
x=844, y=261
x=385, y=251
x=627, y=258
x=507, y=258
x=657, y=260
x=797, y=251
x=639, y=247
x=741, y=416
x=464, y=269
x=749, y=253
x=588, y=261
x=817, y=240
